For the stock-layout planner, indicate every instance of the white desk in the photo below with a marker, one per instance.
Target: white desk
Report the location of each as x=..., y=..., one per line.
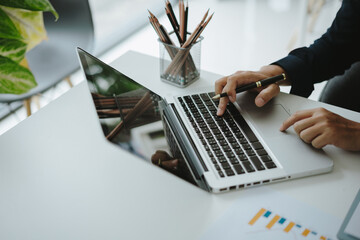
x=54, y=186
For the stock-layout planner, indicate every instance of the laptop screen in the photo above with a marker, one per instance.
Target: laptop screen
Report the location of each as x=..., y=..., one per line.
x=129, y=115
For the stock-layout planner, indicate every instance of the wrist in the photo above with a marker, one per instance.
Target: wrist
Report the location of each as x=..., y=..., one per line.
x=273, y=70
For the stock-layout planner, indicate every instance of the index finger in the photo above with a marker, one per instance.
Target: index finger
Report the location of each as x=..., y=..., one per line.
x=299, y=115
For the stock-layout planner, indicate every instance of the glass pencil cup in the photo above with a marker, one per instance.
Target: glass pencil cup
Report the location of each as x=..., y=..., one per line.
x=180, y=66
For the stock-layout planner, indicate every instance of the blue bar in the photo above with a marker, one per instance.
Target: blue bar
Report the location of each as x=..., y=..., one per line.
x=267, y=214
x=282, y=220
x=299, y=226
x=314, y=233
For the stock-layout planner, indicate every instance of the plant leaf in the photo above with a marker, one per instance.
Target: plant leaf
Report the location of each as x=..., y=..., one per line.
x=14, y=79
x=30, y=24
x=13, y=49
x=33, y=5
x=7, y=27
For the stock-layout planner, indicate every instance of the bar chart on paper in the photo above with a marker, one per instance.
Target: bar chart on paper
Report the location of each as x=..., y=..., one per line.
x=265, y=221
x=267, y=214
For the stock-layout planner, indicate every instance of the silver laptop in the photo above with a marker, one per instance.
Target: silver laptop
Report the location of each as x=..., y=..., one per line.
x=183, y=135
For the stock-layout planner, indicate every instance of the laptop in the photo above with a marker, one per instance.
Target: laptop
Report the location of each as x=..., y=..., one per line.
x=183, y=134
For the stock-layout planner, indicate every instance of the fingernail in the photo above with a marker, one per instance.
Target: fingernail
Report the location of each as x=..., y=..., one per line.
x=260, y=102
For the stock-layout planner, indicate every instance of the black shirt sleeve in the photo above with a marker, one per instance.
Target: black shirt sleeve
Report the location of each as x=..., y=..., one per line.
x=329, y=55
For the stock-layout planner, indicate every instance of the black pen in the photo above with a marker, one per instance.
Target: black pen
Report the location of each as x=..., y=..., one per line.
x=257, y=84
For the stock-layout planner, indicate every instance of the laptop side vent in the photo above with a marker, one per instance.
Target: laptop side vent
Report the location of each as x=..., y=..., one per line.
x=280, y=179
x=253, y=184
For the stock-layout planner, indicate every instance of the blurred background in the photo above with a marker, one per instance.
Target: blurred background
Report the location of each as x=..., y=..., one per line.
x=243, y=35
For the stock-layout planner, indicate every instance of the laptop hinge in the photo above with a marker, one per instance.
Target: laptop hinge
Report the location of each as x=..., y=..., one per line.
x=185, y=142
x=189, y=139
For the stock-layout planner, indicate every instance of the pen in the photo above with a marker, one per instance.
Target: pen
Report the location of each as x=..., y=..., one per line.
x=257, y=84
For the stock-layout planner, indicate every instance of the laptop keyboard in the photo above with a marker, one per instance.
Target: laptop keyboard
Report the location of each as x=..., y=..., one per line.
x=229, y=141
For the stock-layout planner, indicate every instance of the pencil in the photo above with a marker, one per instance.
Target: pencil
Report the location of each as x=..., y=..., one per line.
x=173, y=24
x=253, y=85
x=172, y=14
x=182, y=20
x=186, y=20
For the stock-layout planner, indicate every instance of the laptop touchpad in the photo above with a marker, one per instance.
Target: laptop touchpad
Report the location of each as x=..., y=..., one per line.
x=268, y=119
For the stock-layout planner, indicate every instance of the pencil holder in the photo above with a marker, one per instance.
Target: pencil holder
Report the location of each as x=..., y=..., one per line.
x=180, y=66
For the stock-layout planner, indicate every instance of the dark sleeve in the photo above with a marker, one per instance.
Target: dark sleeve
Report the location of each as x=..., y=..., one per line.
x=329, y=55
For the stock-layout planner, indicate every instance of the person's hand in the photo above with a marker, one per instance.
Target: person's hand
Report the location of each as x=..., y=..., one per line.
x=165, y=161
x=230, y=83
x=320, y=127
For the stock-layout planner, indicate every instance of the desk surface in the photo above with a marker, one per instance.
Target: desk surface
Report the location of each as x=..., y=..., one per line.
x=55, y=185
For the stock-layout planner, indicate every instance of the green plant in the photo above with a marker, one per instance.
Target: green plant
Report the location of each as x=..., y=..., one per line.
x=21, y=29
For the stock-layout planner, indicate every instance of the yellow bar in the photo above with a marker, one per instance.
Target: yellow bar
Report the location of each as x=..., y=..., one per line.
x=257, y=216
x=306, y=232
x=323, y=238
x=289, y=227
x=273, y=221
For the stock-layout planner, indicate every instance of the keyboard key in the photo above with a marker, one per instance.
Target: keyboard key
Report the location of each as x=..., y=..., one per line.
x=222, y=159
x=233, y=160
x=238, y=151
x=209, y=103
x=213, y=126
x=221, y=174
x=242, y=157
x=218, y=153
x=211, y=141
x=225, y=165
x=266, y=158
x=259, y=166
x=204, y=96
x=205, y=130
x=246, y=146
x=222, y=142
x=261, y=152
x=187, y=99
x=249, y=168
x=212, y=108
x=238, y=169
x=239, y=135
x=235, y=145
x=195, y=96
x=229, y=172
x=228, y=134
x=247, y=130
x=257, y=145
x=219, y=137
x=229, y=154
x=216, y=131
x=222, y=124
x=208, y=135
x=203, y=110
x=215, y=147
x=217, y=167
x=202, y=125
x=270, y=165
x=226, y=148
x=250, y=152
